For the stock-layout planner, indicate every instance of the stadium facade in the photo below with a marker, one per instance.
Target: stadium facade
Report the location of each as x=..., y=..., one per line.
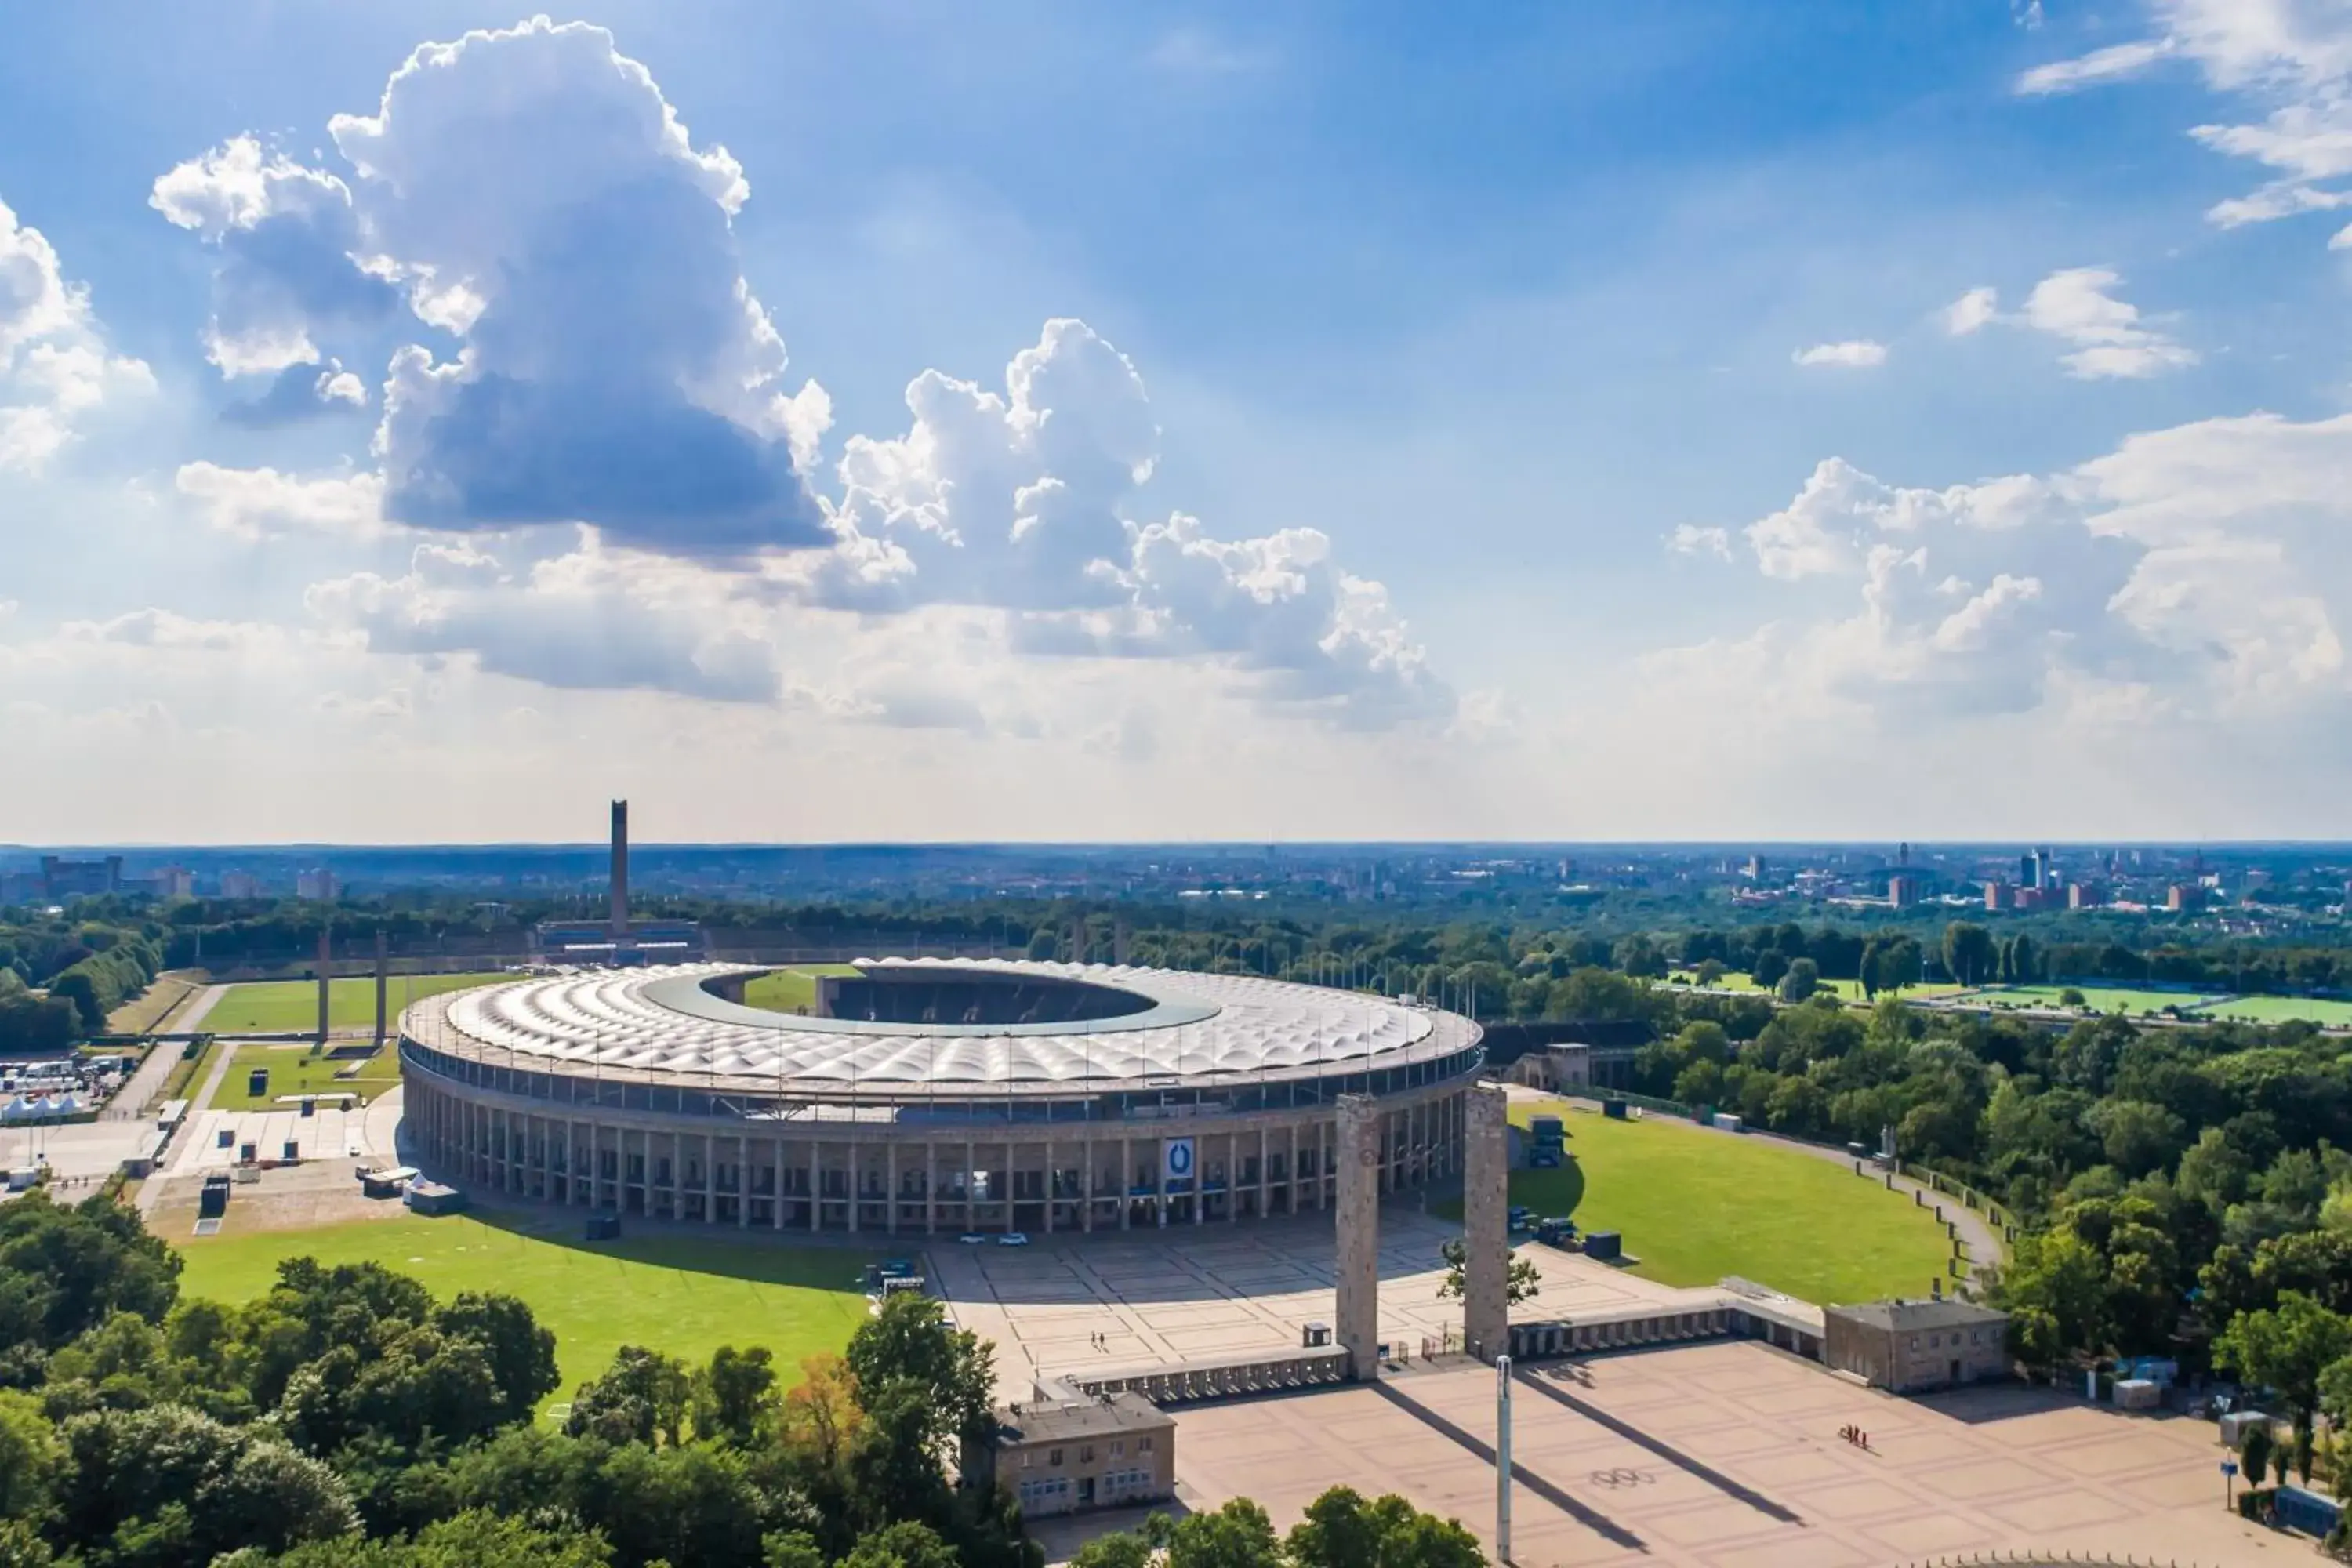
x=925, y=1097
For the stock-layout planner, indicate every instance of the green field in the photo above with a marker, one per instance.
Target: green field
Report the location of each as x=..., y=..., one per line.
x=685, y=1297
x=793, y=990
x=2099, y=998
x=1696, y=1206
x=1733, y=985
x=2281, y=1010
x=294, y=1070
x=281, y=1006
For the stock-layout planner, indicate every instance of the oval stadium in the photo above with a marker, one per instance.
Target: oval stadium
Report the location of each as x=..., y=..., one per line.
x=922, y=1097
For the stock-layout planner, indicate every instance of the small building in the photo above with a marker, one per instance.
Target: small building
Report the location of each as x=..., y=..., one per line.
x=1072, y=1455
x=1911, y=1347
x=427, y=1197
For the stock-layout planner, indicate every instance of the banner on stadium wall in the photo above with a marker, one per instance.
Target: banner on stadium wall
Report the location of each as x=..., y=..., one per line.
x=1177, y=1160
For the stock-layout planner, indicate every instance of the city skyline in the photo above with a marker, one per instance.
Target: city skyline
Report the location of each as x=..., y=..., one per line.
x=1191, y=425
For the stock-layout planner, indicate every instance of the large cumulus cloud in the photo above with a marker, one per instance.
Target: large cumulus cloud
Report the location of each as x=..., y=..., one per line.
x=1031, y=501
x=2200, y=570
x=55, y=367
x=530, y=197
x=529, y=194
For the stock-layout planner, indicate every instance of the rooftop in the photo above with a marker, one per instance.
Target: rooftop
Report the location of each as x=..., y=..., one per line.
x=1903, y=1315
x=1068, y=1419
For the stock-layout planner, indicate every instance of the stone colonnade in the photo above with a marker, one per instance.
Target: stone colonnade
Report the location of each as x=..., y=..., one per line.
x=927, y=1179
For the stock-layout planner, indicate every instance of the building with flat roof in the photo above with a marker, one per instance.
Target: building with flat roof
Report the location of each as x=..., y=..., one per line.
x=1115, y=1451
x=1910, y=1347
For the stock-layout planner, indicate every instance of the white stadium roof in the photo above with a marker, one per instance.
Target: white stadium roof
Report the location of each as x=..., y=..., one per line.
x=660, y=1023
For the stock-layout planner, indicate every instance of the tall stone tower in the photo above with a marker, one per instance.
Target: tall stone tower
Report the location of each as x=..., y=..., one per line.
x=1486, y=1223
x=1358, y=1222
x=620, y=869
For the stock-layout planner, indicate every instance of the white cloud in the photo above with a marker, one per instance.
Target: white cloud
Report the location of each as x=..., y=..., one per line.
x=532, y=192
x=2291, y=58
x=1027, y=500
x=1690, y=539
x=2115, y=63
x=1974, y=310
x=2202, y=572
x=54, y=363
x=2110, y=340
x=2078, y=306
x=586, y=621
x=302, y=391
x=1854, y=354
x=261, y=503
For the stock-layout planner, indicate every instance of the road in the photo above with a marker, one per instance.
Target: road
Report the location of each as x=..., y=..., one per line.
x=135, y=1099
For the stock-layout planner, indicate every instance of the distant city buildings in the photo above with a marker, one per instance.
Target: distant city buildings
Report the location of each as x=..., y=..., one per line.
x=62, y=878
x=1903, y=889
x=318, y=886
x=240, y=885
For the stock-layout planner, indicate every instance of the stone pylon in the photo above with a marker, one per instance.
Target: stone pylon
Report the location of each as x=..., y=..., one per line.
x=1358, y=1222
x=1485, y=1223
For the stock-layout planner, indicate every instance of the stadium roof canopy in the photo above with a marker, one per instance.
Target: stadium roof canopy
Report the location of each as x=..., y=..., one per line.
x=1183, y=1029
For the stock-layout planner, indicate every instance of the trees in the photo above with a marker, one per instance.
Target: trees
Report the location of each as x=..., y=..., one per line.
x=2286, y=1348
x=1522, y=1280
x=1970, y=955
x=184, y=1488
x=735, y=1396
x=1341, y=1529
x=641, y=1397
x=1771, y=964
x=64, y=1270
x=1803, y=978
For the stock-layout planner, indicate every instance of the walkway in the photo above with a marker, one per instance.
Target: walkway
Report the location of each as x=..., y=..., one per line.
x=137, y=1096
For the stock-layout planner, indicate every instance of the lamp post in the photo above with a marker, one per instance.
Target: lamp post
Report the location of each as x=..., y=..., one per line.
x=1503, y=1459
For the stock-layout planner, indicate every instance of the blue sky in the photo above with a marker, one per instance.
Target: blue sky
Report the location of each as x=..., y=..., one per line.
x=1554, y=426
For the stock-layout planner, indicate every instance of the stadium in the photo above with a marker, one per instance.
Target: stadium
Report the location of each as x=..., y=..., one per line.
x=925, y=1095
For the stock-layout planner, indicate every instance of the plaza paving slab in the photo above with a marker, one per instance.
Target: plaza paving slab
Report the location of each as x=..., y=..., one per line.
x=1749, y=1471
x=1193, y=1292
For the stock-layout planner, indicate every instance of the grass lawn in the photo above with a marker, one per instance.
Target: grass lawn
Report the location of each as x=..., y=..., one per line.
x=294, y=1070
x=279, y=1007
x=793, y=990
x=2281, y=1010
x=146, y=1010
x=1695, y=1205
x=683, y=1297
x=1846, y=989
x=2099, y=998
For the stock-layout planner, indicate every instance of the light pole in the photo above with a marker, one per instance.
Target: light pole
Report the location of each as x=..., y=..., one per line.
x=1503, y=1459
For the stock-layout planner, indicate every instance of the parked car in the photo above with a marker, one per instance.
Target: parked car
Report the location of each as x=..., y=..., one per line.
x=973, y=1238
x=1013, y=1238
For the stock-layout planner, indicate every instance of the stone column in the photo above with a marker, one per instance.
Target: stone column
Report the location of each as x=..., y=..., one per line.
x=1358, y=1226
x=890, y=1181
x=816, y=1185
x=1486, y=1226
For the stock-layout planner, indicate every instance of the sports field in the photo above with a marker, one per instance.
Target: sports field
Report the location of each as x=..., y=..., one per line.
x=280, y=1006
x=683, y=1297
x=2281, y=1010
x=793, y=990
x=2133, y=1000
x=1733, y=985
x=1697, y=1206
x=294, y=1070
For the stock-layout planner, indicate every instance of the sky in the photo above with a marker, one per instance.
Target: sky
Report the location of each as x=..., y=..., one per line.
x=922, y=422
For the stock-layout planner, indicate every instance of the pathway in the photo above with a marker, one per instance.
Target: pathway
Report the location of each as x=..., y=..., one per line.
x=134, y=1099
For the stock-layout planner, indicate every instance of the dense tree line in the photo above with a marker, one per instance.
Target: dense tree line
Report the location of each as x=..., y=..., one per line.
x=346, y=1417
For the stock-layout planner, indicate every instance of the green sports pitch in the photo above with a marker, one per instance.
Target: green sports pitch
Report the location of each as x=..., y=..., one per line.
x=1697, y=1206
x=685, y=1297
x=793, y=989
x=286, y=1006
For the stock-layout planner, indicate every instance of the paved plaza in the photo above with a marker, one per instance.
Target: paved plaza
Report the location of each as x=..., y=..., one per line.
x=1190, y=1292
x=1728, y=1455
